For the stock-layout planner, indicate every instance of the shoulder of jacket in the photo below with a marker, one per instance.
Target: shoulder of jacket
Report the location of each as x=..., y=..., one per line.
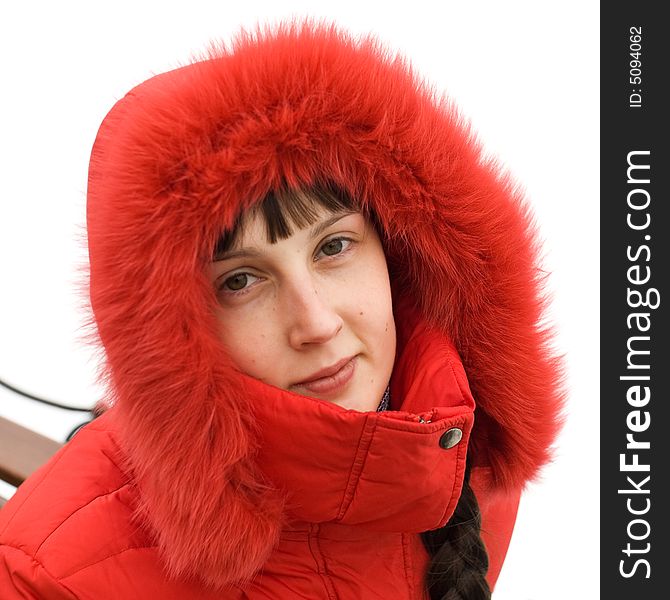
x=77, y=509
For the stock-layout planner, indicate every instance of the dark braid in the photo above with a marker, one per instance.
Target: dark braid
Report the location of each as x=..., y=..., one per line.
x=459, y=561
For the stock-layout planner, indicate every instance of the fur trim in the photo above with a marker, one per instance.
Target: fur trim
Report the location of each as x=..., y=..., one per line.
x=183, y=153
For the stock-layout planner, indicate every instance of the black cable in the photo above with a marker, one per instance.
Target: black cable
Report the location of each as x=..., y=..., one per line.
x=76, y=429
x=42, y=400
x=56, y=404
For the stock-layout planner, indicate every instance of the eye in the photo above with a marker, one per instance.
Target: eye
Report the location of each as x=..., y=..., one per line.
x=336, y=246
x=237, y=283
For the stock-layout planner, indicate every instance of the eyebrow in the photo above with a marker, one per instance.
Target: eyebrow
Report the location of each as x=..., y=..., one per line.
x=253, y=253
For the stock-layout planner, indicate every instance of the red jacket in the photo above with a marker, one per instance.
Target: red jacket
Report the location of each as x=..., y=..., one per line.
x=201, y=482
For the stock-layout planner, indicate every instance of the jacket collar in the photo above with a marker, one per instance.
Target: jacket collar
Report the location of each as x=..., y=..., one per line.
x=384, y=470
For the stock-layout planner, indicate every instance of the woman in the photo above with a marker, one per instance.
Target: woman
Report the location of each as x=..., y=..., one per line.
x=304, y=277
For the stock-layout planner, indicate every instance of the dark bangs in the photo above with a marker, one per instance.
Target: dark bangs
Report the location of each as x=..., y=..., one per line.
x=287, y=208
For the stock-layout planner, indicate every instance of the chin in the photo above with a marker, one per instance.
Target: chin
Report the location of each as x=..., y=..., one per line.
x=361, y=401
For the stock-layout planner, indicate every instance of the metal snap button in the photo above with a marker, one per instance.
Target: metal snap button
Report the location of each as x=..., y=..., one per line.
x=450, y=438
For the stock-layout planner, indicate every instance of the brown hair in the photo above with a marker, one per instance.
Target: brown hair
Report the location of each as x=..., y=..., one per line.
x=285, y=208
x=459, y=562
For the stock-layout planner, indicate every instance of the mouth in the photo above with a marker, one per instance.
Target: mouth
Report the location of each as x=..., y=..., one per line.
x=330, y=379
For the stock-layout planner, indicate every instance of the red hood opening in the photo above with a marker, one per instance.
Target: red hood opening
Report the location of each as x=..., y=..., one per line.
x=177, y=159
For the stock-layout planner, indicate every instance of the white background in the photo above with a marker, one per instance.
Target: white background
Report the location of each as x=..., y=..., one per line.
x=525, y=73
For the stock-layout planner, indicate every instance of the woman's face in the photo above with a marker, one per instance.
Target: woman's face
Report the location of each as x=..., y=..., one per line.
x=312, y=313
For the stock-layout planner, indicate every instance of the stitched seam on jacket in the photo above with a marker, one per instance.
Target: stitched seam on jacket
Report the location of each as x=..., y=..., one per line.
x=39, y=564
x=407, y=562
x=359, y=463
x=97, y=562
x=464, y=396
x=37, y=485
x=317, y=555
x=335, y=595
x=76, y=511
x=110, y=458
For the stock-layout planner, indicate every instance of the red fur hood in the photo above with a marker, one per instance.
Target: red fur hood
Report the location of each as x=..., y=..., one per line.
x=178, y=157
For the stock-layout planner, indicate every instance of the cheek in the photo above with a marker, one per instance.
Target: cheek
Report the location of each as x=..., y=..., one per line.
x=375, y=311
x=384, y=313
x=382, y=324
x=249, y=343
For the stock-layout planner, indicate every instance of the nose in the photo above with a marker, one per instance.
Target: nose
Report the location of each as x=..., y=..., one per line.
x=312, y=317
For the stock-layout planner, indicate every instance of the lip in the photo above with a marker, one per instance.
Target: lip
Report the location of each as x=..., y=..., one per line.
x=331, y=378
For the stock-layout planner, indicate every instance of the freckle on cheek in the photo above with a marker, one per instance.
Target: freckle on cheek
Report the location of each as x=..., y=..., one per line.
x=361, y=313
